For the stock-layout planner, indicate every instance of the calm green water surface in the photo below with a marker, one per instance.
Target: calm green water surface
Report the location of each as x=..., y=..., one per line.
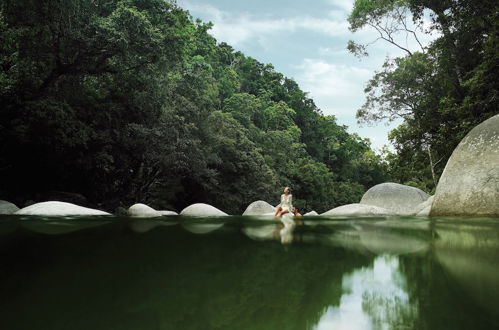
x=248, y=273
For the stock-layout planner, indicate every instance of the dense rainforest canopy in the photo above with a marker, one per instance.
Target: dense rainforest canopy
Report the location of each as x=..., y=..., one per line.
x=133, y=101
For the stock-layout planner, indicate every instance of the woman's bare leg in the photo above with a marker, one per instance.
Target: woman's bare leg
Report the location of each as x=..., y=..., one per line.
x=279, y=209
x=282, y=212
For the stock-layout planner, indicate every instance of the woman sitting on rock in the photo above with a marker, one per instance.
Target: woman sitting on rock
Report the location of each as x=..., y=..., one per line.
x=286, y=204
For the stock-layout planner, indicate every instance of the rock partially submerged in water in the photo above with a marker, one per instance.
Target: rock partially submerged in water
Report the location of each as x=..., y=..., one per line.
x=202, y=210
x=7, y=207
x=54, y=208
x=469, y=185
x=399, y=199
x=311, y=213
x=358, y=210
x=423, y=209
x=144, y=211
x=424, y=212
x=167, y=213
x=259, y=208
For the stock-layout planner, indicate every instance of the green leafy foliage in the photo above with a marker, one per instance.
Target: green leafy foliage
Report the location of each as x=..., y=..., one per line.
x=440, y=92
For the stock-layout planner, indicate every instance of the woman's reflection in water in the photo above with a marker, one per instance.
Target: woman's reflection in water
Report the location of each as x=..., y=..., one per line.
x=284, y=230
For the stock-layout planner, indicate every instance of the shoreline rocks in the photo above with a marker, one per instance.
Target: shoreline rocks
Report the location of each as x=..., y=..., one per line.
x=54, y=208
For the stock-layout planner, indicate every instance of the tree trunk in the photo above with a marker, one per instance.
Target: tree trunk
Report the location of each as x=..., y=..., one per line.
x=432, y=167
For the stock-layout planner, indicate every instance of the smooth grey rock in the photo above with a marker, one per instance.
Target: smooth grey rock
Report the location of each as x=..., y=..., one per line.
x=469, y=185
x=424, y=208
x=142, y=210
x=54, y=208
x=311, y=213
x=202, y=210
x=398, y=198
x=167, y=213
x=7, y=207
x=424, y=212
x=259, y=208
x=358, y=209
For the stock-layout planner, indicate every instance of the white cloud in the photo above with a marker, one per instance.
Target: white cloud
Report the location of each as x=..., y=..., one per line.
x=238, y=28
x=337, y=89
x=345, y=5
x=328, y=51
x=245, y=27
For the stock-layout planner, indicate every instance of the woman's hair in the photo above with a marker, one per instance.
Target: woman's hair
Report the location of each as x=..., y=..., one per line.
x=288, y=189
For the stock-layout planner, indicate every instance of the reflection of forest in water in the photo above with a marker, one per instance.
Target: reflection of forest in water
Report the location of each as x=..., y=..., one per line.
x=373, y=297
x=346, y=274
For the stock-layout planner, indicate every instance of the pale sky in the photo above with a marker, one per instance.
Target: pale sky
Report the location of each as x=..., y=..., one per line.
x=306, y=41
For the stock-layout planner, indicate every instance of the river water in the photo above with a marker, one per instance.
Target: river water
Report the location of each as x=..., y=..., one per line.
x=247, y=273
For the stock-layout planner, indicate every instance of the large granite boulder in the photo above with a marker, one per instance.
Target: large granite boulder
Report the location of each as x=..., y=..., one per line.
x=143, y=210
x=398, y=198
x=424, y=208
x=53, y=208
x=259, y=208
x=202, y=210
x=469, y=185
x=7, y=207
x=357, y=209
